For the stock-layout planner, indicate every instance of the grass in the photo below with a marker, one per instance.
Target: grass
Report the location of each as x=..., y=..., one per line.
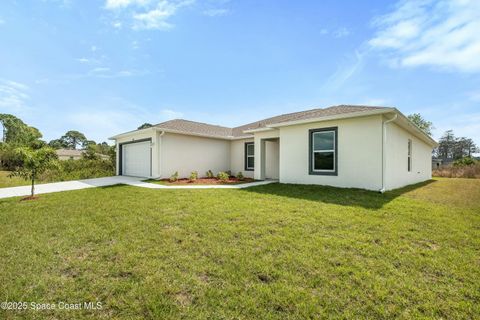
x=268, y=252
x=6, y=182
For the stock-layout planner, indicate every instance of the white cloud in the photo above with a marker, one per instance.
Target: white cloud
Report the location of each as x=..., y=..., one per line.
x=93, y=48
x=119, y=4
x=2, y=21
x=345, y=71
x=83, y=60
x=438, y=33
x=324, y=31
x=146, y=14
x=215, y=12
x=13, y=97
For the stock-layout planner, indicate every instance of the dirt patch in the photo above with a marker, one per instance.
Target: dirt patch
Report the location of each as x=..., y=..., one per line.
x=30, y=198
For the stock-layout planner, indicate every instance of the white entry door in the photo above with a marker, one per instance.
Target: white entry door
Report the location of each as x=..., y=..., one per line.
x=136, y=159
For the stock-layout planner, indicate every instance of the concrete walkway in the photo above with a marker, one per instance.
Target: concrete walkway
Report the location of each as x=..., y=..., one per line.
x=110, y=181
x=66, y=186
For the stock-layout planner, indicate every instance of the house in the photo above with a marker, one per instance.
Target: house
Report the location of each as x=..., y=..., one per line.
x=374, y=148
x=69, y=154
x=73, y=154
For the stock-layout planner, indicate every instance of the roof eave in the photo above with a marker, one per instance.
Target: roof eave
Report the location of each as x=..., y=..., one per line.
x=333, y=117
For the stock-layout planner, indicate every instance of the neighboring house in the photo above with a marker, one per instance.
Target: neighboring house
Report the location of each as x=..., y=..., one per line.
x=71, y=154
x=373, y=148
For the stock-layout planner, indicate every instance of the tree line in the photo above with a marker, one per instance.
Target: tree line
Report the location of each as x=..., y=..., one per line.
x=450, y=147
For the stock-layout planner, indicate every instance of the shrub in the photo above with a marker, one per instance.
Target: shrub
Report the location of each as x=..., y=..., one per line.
x=174, y=177
x=229, y=173
x=467, y=171
x=79, y=169
x=240, y=175
x=222, y=176
x=193, y=175
x=209, y=174
x=467, y=161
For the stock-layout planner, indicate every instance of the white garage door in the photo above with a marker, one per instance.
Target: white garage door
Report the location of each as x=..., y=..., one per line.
x=136, y=159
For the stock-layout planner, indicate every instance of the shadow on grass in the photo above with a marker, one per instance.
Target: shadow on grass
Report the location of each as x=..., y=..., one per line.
x=339, y=196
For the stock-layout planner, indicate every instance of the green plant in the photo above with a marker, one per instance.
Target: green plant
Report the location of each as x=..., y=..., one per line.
x=174, y=177
x=467, y=161
x=223, y=176
x=193, y=176
x=34, y=162
x=240, y=175
x=209, y=174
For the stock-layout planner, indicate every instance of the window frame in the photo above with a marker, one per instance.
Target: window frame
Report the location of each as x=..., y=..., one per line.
x=409, y=155
x=246, y=156
x=311, y=152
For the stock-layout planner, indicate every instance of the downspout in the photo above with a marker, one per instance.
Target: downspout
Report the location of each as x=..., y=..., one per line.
x=160, y=153
x=384, y=151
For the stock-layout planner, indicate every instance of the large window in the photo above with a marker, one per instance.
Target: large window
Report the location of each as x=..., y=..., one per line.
x=323, y=151
x=249, y=156
x=409, y=157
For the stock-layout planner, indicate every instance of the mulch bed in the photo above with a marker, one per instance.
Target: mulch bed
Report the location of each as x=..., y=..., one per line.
x=231, y=180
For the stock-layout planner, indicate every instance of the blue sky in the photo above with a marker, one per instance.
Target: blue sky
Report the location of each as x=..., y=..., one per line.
x=104, y=67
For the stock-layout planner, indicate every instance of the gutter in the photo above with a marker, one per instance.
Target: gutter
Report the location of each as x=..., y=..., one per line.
x=384, y=151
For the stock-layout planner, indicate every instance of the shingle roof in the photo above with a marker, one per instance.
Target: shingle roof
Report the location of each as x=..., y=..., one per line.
x=69, y=152
x=192, y=127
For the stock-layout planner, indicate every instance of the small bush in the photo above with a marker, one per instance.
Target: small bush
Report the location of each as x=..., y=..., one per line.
x=193, y=176
x=467, y=161
x=240, y=175
x=223, y=176
x=229, y=173
x=209, y=174
x=174, y=177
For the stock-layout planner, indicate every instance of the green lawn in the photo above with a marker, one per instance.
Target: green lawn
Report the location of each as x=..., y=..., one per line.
x=6, y=182
x=269, y=252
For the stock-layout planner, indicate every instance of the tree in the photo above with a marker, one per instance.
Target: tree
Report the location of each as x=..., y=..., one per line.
x=18, y=133
x=73, y=138
x=33, y=163
x=145, y=126
x=421, y=123
x=57, y=144
x=446, y=145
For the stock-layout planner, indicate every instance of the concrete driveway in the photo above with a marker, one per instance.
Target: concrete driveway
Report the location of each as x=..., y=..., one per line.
x=68, y=185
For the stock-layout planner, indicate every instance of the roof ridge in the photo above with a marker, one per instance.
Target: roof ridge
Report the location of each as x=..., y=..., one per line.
x=192, y=121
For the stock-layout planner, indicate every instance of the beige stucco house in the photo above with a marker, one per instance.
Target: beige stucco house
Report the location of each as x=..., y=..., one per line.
x=374, y=148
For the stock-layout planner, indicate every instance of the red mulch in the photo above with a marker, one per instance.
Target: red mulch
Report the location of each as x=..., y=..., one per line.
x=30, y=198
x=231, y=180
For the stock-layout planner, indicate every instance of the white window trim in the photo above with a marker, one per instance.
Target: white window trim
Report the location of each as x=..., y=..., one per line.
x=323, y=151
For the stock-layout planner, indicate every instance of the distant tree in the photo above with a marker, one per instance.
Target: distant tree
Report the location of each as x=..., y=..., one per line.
x=57, y=144
x=88, y=143
x=451, y=147
x=90, y=152
x=73, y=138
x=145, y=126
x=421, y=123
x=446, y=145
x=33, y=163
x=18, y=133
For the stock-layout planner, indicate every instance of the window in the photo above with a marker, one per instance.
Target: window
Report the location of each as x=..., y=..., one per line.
x=249, y=156
x=409, y=157
x=323, y=151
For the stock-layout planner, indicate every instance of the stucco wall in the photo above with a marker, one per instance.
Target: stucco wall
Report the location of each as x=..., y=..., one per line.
x=359, y=153
x=155, y=146
x=237, y=157
x=185, y=154
x=397, y=174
